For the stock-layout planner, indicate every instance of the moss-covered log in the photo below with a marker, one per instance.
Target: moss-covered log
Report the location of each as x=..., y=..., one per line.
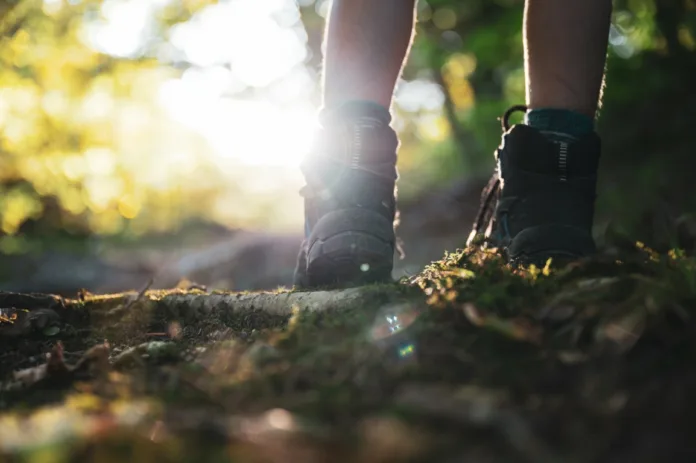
x=27, y=314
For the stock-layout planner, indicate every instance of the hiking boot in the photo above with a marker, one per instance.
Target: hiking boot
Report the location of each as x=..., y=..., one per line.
x=350, y=201
x=539, y=204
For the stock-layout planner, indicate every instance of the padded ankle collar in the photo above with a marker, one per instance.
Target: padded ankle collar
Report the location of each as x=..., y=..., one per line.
x=526, y=148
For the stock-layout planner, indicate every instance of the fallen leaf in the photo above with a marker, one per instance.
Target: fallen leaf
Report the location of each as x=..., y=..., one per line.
x=623, y=332
x=518, y=328
x=473, y=315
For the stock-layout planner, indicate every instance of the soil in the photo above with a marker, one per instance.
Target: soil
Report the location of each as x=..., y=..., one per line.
x=470, y=360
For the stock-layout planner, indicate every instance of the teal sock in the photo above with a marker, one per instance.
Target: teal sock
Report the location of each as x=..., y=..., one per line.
x=559, y=124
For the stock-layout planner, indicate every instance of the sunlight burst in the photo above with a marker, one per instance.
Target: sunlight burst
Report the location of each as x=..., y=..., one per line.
x=247, y=131
x=234, y=47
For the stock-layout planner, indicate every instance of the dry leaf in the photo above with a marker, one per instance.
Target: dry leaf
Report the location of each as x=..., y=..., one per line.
x=623, y=332
x=519, y=328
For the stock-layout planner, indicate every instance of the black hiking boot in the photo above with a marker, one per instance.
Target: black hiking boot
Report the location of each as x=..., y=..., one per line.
x=539, y=204
x=350, y=201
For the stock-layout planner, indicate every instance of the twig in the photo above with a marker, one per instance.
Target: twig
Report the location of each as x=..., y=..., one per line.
x=140, y=295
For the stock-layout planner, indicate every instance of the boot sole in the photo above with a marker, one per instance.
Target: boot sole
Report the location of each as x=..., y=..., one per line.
x=563, y=244
x=350, y=247
x=559, y=258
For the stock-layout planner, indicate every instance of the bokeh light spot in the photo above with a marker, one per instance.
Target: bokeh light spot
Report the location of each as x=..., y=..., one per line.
x=444, y=18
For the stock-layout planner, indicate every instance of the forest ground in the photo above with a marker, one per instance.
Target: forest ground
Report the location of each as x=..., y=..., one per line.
x=470, y=360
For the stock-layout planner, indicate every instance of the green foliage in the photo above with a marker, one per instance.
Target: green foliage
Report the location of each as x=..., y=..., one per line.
x=64, y=113
x=79, y=127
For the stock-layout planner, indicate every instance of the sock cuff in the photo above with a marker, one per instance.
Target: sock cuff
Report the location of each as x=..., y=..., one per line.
x=560, y=121
x=355, y=110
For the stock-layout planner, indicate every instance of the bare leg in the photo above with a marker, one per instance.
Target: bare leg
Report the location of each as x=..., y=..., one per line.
x=367, y=43
x=565, y=53
x=350, y=196
x=540, y=203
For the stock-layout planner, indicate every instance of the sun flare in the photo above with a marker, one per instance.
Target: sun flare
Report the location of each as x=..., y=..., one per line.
x=249, y=132
x=239, y=48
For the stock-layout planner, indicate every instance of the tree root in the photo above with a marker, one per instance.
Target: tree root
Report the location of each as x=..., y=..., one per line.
x=34, y=314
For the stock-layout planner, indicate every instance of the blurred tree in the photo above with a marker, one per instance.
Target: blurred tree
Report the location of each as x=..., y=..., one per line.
x=79, y=124
x=67, y=111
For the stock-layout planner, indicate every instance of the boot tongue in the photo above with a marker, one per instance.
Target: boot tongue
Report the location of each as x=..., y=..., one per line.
x=356, y=137
x=531, y=150
x=353, y=161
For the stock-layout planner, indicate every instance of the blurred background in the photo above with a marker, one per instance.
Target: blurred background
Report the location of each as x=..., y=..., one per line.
x=161, y=139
